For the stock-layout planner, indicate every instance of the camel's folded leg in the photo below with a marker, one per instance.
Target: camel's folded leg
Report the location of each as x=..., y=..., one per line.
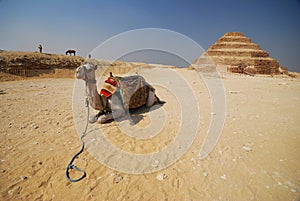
x=151, y=98
x=105, y=118
x=113, y=115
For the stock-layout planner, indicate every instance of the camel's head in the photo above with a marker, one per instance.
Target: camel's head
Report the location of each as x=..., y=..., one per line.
x=86, y=72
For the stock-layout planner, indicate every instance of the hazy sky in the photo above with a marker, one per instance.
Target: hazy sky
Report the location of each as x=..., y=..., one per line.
x=83, y=25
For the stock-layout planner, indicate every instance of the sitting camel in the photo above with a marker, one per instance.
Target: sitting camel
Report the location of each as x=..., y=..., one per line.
x=70, y=52
x=117, y=95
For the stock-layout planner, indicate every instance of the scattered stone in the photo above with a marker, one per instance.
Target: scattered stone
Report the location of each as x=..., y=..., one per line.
x=118, y=179
x=289, y=183
x=155, y=164
x=224, y=177
x=34, y=126
x=22, y=126
x=248, y=149
x=10, y=192
x=35, y=142
x=232, y=92
x=205, y=174
x=212, y=113
x=161, y=176
x=23, y=177
x=293, y=190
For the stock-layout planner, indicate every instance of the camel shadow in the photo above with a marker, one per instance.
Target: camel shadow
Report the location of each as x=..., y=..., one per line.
x=134, y=116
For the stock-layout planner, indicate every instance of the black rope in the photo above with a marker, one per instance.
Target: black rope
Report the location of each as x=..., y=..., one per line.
x=70, y=165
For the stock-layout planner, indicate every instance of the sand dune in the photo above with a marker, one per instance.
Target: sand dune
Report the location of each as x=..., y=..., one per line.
x=256, y=157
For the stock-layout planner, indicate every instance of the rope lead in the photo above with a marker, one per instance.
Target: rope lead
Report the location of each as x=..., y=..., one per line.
x=73, y=167
x=70, y=165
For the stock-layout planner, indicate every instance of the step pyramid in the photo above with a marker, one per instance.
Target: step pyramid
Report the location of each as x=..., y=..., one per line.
x=239, y=54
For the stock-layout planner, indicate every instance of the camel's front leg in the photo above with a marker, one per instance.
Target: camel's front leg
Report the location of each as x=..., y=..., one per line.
x=112, y=115
x=117, y=109
x=94, y=118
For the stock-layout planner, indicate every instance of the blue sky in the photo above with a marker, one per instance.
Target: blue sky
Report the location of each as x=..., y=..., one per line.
x=83, y=25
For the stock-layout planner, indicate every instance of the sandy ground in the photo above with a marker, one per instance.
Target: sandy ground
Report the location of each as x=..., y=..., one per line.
x=256, y=157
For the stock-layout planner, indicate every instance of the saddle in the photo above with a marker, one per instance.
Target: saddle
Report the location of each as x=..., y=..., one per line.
x=133, y=90
x=109, y=87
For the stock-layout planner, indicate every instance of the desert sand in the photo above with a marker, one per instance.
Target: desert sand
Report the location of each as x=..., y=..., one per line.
x=256, y=157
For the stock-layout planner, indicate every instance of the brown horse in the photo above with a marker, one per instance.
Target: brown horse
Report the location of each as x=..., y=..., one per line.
x=70, y=52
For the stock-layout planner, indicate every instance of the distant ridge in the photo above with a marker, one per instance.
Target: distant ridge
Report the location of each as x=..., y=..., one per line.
x=19, y=65
x=35, y=60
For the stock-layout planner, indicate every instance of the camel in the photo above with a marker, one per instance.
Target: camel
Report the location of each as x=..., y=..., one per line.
x=70, y=52
x=115, y=98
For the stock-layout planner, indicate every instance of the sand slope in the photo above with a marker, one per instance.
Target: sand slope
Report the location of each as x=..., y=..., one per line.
x=256, y=158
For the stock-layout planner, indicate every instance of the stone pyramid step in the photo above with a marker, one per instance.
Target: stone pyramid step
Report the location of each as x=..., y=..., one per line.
x=235, y=45
x=234, y=39
x=238, y=52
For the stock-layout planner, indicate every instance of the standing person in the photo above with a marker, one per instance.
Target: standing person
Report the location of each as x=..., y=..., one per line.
x=40, y=48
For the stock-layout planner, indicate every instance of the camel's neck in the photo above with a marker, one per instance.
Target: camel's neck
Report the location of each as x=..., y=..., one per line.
x=93, y=96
